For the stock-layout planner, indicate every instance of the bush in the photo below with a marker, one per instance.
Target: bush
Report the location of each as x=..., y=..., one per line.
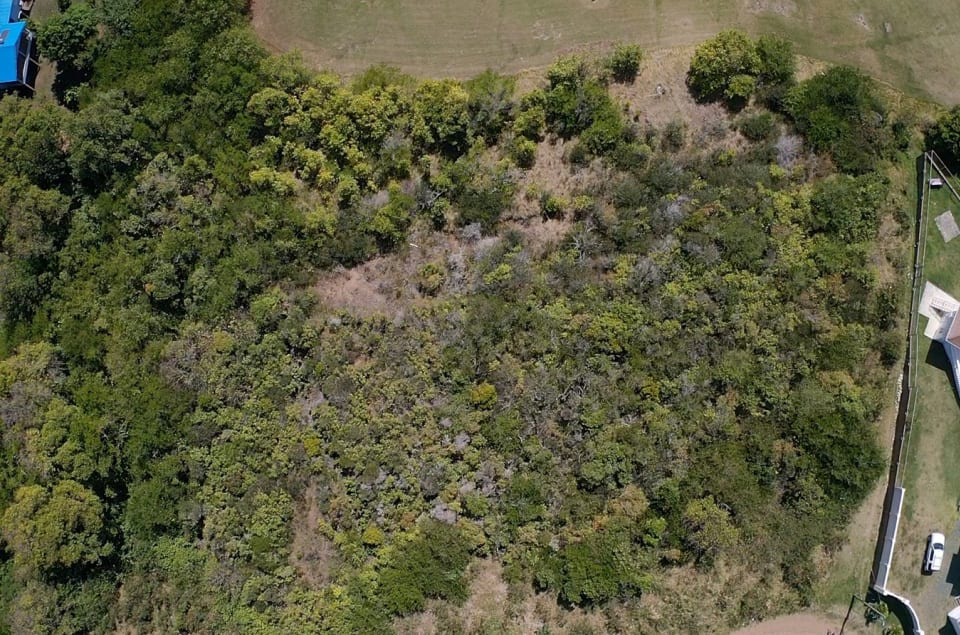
x=674, y=135
x=578, y=154
x=523, y=152
x=69, y=38
x=630, y=156
x=944, y=136
x=624, y=63
x=431, y=278
x=840, y=113
x=552, y=206
x=604, y=134
x=530, y=123
x=778, y=63
x=758, y=127
x=739, y=89
x=480, y=192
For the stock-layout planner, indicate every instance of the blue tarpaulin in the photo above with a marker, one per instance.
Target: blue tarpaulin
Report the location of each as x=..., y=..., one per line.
x=9, y=10
x=11, y=64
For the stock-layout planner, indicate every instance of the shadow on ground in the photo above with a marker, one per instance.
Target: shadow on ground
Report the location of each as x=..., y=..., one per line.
x=953, y=575
x=937, y=357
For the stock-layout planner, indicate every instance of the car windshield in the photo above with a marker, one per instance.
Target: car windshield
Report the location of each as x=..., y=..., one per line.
x=938, y=546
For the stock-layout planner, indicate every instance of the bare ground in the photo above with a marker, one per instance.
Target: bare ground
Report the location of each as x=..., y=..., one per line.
x=796, y=624
x=311, y=553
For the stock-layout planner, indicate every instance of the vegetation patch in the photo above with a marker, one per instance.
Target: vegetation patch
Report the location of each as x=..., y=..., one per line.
x=283, y=354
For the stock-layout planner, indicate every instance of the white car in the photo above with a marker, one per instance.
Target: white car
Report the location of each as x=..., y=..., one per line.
x=934, y=558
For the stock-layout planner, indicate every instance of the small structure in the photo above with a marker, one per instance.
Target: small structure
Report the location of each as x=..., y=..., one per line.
x=947, y=225
x=953, y=617
x=943, y=325
x=17, y=45
x=936, y=182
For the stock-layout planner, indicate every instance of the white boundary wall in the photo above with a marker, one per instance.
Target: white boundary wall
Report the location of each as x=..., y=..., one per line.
x=889, y=542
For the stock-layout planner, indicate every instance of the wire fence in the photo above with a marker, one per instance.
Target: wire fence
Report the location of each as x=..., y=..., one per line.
x=909, y=379
x=931, y=164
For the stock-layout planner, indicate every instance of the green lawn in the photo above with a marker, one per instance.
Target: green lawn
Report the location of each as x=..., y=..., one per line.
x=891, y=39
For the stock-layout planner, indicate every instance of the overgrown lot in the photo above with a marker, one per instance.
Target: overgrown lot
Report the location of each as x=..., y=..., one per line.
x=618, y=370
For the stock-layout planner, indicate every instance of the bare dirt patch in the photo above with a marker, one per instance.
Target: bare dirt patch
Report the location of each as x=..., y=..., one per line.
x=311, y=553
x=659, y=95
x=488, y=596
x=386, y=285
x=780, y=7
x=797, y=624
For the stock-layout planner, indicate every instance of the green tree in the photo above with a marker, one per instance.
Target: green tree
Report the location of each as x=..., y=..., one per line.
x=840, y=113
x=624, y=62
x=944, y=136
x=32, y=228
x=62, y=527
x=440, y=116
x=778, y=62
x=102, y=144
x=718, y=62
x=709, y=528
x=491, y=106
x=431, y=565
x=68, y=38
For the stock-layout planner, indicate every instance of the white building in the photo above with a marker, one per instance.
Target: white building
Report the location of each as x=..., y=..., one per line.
x=943, y=325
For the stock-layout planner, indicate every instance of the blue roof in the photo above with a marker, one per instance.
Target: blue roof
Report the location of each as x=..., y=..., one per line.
x=10, y=70
x=9, y=10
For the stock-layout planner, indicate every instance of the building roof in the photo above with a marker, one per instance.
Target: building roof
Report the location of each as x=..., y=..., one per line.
x=953, y=335
x=10, y=66
x=9, y=10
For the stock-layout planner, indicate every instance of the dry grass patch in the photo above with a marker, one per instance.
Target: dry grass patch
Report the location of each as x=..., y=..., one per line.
x=311, y=553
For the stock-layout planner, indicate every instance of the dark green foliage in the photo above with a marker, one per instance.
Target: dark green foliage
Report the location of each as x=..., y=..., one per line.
x=758, y=127
x=480, y=192
x=847, y=206
x=430, y=566
x=840, y=113
x=490, y=105
x=944, y=136
x=523, y=501
x=674, y=135
x=576, y=104
x=523, y=151
x=389, y=223
x=778, y=63
x=68, y=38
x=603, y=565
x=103, y=145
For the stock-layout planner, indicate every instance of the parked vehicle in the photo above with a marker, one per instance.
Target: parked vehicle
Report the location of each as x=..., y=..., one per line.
x=934, y=557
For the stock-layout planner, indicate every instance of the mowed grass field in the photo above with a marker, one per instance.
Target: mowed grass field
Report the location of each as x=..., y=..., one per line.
x=912, y=45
